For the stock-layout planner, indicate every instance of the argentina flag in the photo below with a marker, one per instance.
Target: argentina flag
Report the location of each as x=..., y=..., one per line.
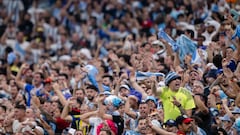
x=183, y=45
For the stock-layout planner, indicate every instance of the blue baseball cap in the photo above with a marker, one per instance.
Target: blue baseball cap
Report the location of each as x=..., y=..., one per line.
x=236, y=110
x=152, y=98
x=170, y=122
x=225, y=118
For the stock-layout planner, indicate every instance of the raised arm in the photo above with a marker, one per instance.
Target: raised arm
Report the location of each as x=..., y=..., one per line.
x=123, y=76
x=65, y=112
x=19, y=81
x=135, y=84
x=57, y=90
x=85, y=117
x=47, y=127
x=128, y=111
x=101, y=110
x=200, y=104
x=154, y=85
x=237, y=52
x=158, y=130
x=230, y=80
x=225, y=106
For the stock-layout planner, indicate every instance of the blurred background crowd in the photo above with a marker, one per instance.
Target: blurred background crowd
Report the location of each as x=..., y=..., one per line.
x=119, y=67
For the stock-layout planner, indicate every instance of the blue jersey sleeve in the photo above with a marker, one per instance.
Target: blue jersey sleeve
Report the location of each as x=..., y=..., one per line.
x=28, y=87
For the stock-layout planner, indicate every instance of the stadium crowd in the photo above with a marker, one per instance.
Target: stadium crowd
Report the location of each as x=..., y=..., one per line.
x=119, y=67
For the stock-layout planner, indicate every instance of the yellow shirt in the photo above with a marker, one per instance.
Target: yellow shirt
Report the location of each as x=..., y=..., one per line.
x=182, y=95
x=78, y=124
x=14, y=68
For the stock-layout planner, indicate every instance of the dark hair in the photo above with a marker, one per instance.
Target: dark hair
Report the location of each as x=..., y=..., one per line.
x=80, y=90
x=197, y=119
x=222, y=130
x=144, y=44
x=108, y=76
x=42, y=100
x=41, y=74
x=191, y=33
x=142, y=102
x=8, y=49
x=79, y=101
x=217, y=61
x=92, y=87
x=141, y=118
x=4, y=108
x=126, y=58
x=201, y=36
x=20, y=106
x=63, y=74
x=180, y=15
x=108, y=131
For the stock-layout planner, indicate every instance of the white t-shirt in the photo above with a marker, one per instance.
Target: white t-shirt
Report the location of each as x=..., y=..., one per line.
x=94, y=121
x=16, y=124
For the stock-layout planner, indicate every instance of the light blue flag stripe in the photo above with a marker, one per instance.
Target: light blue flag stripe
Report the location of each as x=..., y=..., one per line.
x=166, y=37
x=183, y=45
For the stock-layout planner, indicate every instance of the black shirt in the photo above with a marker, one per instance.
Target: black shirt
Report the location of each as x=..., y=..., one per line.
x=206, y=121
x=119, y=121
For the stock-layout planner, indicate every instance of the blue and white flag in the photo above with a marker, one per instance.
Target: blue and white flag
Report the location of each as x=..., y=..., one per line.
x=92, y=73
x=144, y=75
x=187, y=47
x=183, y=45
x=235, y=14
x=166, y=37
x=237, y=32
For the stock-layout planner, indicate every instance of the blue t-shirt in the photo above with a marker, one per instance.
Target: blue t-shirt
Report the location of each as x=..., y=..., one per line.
x=131, y=132
x=28, y=88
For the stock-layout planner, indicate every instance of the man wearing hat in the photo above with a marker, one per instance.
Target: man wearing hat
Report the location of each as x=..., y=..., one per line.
x=227, y=123
x=159, y=49
x=170, y=126
x=184, y=124
x=176, y=100
x=152, y=102
x=212, y=28
x=124, y=90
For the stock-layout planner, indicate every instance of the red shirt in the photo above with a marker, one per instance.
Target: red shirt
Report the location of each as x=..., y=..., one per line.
x=180, y=133
x=61, y=124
